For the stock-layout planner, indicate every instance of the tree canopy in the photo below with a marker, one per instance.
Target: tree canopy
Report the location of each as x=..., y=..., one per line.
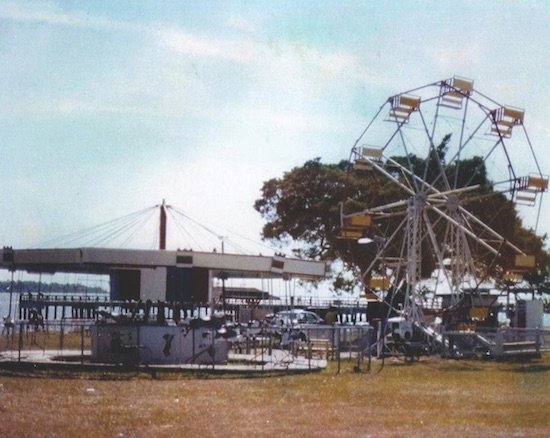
x=303, y=208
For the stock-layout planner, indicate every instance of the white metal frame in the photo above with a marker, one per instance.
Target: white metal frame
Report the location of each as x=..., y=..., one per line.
x=418, y=119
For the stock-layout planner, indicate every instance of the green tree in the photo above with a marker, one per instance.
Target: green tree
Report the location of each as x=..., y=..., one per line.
x=303, y=208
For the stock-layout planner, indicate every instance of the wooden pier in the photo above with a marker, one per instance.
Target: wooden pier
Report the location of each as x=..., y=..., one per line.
x=54, y=306
x=88, y=306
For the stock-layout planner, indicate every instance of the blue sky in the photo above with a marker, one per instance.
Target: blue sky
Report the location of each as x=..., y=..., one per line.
x=109, y=107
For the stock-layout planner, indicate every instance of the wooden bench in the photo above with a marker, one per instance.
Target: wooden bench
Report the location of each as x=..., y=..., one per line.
x=318, y=348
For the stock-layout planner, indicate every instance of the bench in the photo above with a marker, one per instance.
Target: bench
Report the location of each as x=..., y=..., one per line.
x=318, y=348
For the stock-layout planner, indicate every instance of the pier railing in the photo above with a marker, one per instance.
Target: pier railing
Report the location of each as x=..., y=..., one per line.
x=87, y=306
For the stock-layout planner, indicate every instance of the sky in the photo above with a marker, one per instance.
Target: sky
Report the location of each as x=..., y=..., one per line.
x=107, y=108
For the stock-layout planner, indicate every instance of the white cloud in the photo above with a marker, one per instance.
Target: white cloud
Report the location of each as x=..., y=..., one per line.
x=240, y=23
x=187, y=43
x=49, y=13
x=291, y=65
x=447, y=57
x=73, y=106
x=284, y=120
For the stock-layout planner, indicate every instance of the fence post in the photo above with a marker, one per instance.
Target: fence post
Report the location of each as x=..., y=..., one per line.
x=379, y=340
x=11, y=337
x=369, y=337
x=359, y=347
x=498, y=350
x=213, y=347
x=138, y=359
x=21, y=325
x=309, y=349
x=82, y=343
x=61, y=336
x=263, y=346
x=338, y=353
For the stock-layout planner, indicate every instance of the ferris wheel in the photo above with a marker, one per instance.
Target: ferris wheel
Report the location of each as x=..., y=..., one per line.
x=440, y=152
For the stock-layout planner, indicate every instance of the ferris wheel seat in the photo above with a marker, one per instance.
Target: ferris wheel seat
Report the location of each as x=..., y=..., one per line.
x=525, y=197
x=401, y=115
x=454, y=91
x=374, y=154
x=463, y=84
x=525, y=261
x=501, y=130
x=361, y=221
x=452, y=99
x=349, y=234
x=367, y=158
x=512, y=114
x=478, y=313
x=402, y=106
x=505, y=118
x=410, y=102
x=379, y=283
x=539, y=183
x=527, y=187
x=513, y=277
x=362, y=164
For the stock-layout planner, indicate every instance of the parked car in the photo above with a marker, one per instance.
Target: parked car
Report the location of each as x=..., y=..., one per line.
x=292, y=318
x=293, y=325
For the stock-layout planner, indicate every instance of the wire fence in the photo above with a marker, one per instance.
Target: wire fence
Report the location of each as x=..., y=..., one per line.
x=184, y=346
x=233, y=348
x=26, y=340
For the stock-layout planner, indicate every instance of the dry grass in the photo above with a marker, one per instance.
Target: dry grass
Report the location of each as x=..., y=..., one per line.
x=428, y=398
x=48, y=340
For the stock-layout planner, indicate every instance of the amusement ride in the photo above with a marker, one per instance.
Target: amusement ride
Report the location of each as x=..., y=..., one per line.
x=445, y=148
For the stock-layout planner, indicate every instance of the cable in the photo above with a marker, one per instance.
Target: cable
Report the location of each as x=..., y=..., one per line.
x=71, y=237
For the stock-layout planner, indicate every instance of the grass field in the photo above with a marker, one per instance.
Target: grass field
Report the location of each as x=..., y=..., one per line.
x=432, y=397
x=72, y=338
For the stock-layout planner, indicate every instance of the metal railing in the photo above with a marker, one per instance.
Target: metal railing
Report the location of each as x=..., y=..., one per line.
x=29, y=341
x=256, y=349
x=499, y=343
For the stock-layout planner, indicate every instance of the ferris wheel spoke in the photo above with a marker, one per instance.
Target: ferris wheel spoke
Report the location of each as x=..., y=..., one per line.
x=368, y=126
x=435, y=192
x=460, y=143
x=433, y=151
x=489, y=230
x=531, y=149
x=383, y=247
x=407, y=156
x=474, y=133
x=437, y=250
x=466, y=230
